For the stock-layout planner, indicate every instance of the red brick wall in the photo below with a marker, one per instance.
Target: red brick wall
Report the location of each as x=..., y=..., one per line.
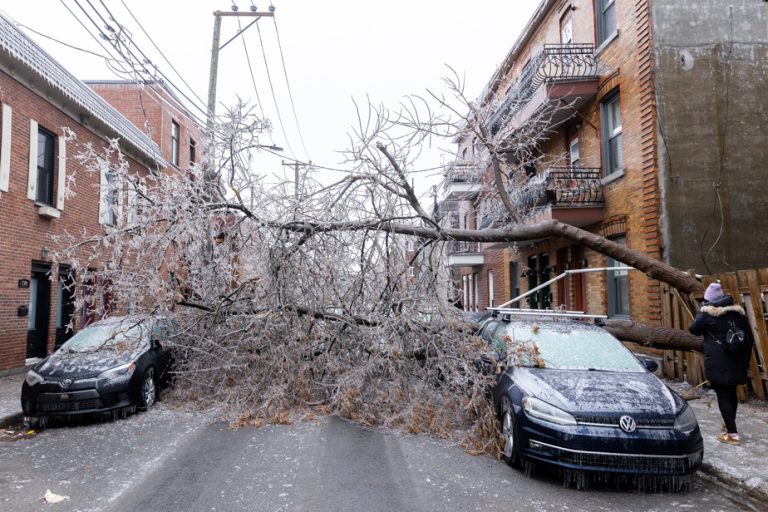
x=23, y=233
x=153, y=110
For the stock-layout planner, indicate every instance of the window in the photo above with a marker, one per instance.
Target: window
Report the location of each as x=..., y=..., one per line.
x=477, y=291
x=45, y=153
x=464, y=292
x=111, y=199
x=471, y=296
x=566, y=31
x=575, y=153
x=410, y=245
x=490, y=288
x=175, y=143
x=5, y=147
x=411, y=271
x=618, y=285
x=606, y=20
x=610, y=110
x=192, y=151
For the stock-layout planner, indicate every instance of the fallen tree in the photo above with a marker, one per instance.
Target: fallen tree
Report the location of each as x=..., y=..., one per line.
x=297, y=297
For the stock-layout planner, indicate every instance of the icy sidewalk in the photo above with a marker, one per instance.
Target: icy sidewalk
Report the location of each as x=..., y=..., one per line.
x=740, y=467
x=10, y=398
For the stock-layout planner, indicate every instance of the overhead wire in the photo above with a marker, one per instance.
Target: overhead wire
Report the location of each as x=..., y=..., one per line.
x=288, y=86
x=146, y=60
x=272, y=89
x=160, y=51
x=253, y=78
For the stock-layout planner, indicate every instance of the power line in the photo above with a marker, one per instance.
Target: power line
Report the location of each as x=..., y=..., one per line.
x=253, y=77
x=146, y=59
x=288, y=85
x=135, y=61
x=271, y=88
x=160, y=51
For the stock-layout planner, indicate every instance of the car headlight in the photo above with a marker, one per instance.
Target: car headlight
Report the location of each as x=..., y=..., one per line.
x=686, y=420
x=33, y=378
x=539, y=409
x=122, y=371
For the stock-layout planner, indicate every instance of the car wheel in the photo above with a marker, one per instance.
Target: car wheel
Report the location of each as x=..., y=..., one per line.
x=511, y=448
x=148, y=395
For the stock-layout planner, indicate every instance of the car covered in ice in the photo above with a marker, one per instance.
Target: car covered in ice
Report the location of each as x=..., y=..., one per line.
x=570, y=395
x=110, y=367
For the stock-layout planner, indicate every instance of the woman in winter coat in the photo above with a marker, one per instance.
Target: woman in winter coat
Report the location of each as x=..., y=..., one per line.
x=724, y=369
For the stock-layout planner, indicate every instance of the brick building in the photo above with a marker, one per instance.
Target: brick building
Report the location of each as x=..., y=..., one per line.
x=40, y=100
x=653, y=113
x=154, y=108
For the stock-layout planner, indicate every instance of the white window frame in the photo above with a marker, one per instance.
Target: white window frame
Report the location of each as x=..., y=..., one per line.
x=490, y=288
x=574, y=150
x=5, y=147
x=471, y=294
x=411, y=271
x=464, y=292
x=566, y=31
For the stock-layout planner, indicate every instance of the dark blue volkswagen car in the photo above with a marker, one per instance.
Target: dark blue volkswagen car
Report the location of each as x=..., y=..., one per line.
x=569, y=394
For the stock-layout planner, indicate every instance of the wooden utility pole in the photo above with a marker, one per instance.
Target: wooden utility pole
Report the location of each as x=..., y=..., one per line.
x=216, y=47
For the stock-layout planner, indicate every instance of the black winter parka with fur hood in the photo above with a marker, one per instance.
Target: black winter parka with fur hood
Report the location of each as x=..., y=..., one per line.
x=713, y=321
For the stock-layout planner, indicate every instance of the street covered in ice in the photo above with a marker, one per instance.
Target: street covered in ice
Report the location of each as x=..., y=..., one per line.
x=169, y=459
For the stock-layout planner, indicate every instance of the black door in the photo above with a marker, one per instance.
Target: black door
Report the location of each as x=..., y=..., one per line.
x=39, y=311
x=65, y=304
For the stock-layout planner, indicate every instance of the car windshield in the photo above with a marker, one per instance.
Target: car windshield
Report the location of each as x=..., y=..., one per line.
x=564, y=346
x=116, y=336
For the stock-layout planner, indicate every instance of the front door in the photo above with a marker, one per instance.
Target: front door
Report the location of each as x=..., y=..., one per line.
x=39, y=311
x=65, y=304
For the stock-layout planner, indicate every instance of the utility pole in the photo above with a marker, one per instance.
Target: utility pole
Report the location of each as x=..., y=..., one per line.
x=216, y=47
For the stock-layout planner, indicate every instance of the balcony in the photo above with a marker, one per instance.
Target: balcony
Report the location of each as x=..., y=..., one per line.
x=553, y=85
x=573, y=195
x=463, y=181
x=464, y=254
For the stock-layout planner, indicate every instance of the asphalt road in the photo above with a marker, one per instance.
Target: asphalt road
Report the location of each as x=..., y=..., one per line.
x=168, y=460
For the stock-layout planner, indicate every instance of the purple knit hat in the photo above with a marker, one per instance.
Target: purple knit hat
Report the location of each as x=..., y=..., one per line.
x=714, y=292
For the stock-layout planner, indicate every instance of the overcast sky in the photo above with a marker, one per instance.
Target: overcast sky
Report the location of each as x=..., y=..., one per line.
x=334, y=51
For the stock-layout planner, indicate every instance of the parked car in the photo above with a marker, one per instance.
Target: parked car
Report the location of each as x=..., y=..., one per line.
x=112, y=366
x=570, y=395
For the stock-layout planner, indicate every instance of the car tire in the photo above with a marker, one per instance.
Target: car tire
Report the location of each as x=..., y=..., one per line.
x=511, y=447
x=148, y=390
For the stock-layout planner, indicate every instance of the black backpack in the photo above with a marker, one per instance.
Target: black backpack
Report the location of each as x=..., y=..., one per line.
x=737, y=340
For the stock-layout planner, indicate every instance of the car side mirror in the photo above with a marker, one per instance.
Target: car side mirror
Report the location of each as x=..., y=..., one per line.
x=650, y=364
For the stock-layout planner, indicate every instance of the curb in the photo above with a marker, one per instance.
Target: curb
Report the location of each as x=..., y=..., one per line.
x=733, y=483
x=7, y=421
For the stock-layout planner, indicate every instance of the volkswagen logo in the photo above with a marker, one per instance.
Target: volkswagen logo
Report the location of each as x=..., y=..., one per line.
x=65, y=383
x=627, y=424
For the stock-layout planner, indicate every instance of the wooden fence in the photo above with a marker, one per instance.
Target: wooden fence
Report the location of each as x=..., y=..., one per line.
x=749, y=289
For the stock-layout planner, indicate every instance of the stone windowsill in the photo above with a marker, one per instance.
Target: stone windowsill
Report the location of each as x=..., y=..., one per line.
x=612, y=177
x=48, y=211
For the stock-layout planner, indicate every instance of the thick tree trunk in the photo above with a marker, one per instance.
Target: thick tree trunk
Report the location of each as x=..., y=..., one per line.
x=656, y=337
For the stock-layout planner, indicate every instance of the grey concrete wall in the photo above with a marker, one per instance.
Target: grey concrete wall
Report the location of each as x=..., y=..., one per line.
x=712, y=96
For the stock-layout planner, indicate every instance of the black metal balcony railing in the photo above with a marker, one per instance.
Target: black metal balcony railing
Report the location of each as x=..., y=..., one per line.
x=460, y=247
x=573, y=186
x=462, y=173
x=553, y=63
